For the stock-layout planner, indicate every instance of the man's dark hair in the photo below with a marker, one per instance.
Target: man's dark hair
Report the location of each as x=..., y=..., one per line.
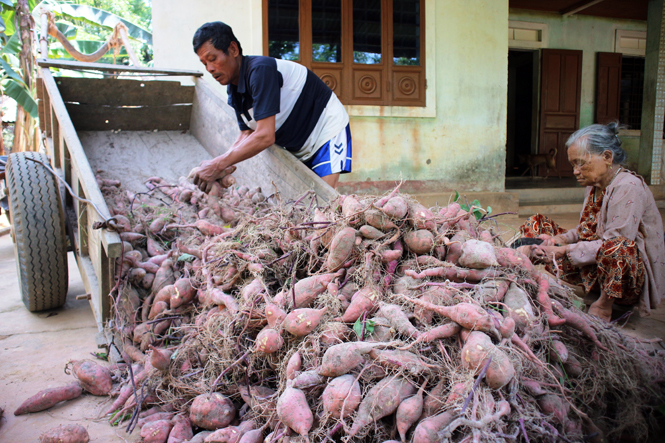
x=218, y=33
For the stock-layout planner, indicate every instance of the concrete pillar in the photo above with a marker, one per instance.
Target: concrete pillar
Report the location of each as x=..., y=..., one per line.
x=653, y=105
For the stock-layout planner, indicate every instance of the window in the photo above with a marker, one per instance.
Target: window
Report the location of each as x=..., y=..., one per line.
x=632, y=84
x=369, y=52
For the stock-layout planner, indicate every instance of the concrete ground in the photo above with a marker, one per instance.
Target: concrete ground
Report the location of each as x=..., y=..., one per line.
x=34, y=349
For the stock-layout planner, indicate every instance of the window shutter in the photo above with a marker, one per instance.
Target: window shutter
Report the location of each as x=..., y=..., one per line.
x=608, y=87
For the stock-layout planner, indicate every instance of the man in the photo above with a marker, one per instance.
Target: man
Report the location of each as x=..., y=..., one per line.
x=276, y=102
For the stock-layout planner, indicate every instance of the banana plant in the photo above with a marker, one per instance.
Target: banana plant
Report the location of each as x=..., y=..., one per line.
x=12, y=81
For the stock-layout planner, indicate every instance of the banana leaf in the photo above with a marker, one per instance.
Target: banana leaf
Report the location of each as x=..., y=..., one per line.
x=10, y=72
x=22, y=97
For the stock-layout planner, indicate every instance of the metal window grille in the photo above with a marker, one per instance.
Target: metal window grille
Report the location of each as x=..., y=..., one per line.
x=632, y=85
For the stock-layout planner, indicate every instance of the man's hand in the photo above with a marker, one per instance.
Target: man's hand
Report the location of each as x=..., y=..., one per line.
x=208, y=172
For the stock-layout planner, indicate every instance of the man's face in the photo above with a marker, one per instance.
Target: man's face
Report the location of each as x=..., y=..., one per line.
x=225, y=68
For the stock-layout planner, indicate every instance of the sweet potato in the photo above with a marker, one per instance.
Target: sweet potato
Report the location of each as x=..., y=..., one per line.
x=381, y=400
x=94, y=378
x=341, y=392
x=308, y=289
x=420, y=241
x=520, y=310
x=164, y=276
x=274, y=314
x=351, y=206
x=301, y=322
x=131, y=236
x=512, y=258
x=183, y=293
x=182, y=430
x=379, y=220
x=365, y=300
x=341, y=248
x=342, y=358
x=435, y=398
x=399, y=359
x=420, y=217
x=211, y=411
x=160, y=358
x=578, y=322
x=157, y=308
x=390, y=255
x=396, y=207
x=294, y=364
x=437, y=296
x=558, y=351
x=552, y=404
x=442, y=331
x=398, y=319
x=154, y=417
x=65, y=434
x=154, y=248
x=223, y=300
x=293, y=410
x=370, y=232
x=477, y=255
x=156, y=431
x=308, y=379
x=491, y=291
x=49, y=397
x=467, y=315
x=455, y=247
x=477, y=349
x=200, y=437
x=453, y=273
x=409, y=412
x=428, y=430
x=158, y=224
x=268, y=341
x=546, y=303
x=334, y=333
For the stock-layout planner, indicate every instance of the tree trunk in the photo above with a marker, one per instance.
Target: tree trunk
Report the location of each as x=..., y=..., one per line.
x=25, y=125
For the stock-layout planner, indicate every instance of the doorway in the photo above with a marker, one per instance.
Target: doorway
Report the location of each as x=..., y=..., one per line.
x=521, y=134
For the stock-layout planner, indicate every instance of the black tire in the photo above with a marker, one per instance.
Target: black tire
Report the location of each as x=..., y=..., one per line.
x=40, y=237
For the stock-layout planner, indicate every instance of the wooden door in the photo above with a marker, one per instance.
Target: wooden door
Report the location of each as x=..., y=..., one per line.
x=608, y=86
x=560, y=90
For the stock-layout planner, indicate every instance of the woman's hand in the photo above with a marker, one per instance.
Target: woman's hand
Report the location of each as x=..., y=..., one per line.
x=549, y=240
x=547, y=254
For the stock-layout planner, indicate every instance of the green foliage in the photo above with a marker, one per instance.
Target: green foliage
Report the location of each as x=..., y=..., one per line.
x=358, y=327
x=478, y=210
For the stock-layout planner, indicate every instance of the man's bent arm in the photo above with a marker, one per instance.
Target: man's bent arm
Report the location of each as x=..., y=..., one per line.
x=247, y=146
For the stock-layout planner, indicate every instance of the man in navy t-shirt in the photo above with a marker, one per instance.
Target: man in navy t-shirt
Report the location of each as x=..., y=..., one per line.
x=276, y=102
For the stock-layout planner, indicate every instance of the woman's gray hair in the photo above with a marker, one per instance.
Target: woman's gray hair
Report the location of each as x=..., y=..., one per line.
x=596, y=139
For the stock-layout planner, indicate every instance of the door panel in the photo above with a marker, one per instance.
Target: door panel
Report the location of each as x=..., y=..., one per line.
x=560, y=103
x=608, y=86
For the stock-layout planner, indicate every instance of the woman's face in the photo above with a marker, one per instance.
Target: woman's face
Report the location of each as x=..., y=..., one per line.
x=590, y=169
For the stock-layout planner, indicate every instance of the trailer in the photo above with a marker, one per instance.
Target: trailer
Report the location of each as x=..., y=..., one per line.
x=132, y=123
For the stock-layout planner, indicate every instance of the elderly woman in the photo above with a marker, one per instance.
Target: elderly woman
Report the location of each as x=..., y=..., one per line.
x=618, y=248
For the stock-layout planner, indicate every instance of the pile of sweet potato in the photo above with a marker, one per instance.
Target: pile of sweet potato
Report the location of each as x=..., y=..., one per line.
x=246, y=318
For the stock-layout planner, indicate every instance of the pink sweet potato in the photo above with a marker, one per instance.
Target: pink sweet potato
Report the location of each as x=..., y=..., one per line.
x=370, y=232
x=308, y=379
x=334, y=333
x=421, y=217
x=399, y=320
x=477, y=349
x=307, y=289
x=365, y=300
x=160, y=358
x=274, y=314
x=293, y=410
x=436, y=296
x=477, y=255
x=341, y=248
x=182, y=430
x=301, y=322
x=428, y=430
x=156, y=431
x=409, y=412
x=268, y=341
x=49, y=397
x=467, y=315
x=420, y=241
x=211, y=411
x=396, y=207
x=342, y=358
x=183, y=293
x=435, y=398
x=223, y=300
x=342, y=392
x=443, y=331
x=154, y=417
x=164, y=276
x=94, y=378
x=381, y=400
x=396, y=359
x=379, y=220
x=66, y=434
x=294, y=364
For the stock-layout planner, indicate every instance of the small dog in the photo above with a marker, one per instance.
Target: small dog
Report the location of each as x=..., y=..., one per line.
x=534, y=160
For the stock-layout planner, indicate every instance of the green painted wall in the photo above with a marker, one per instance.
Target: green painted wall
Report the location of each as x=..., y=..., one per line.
x=581, y=32
x=463, y=147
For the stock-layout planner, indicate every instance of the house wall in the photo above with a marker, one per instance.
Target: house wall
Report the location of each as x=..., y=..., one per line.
x=459, y=144
x=591, y=35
